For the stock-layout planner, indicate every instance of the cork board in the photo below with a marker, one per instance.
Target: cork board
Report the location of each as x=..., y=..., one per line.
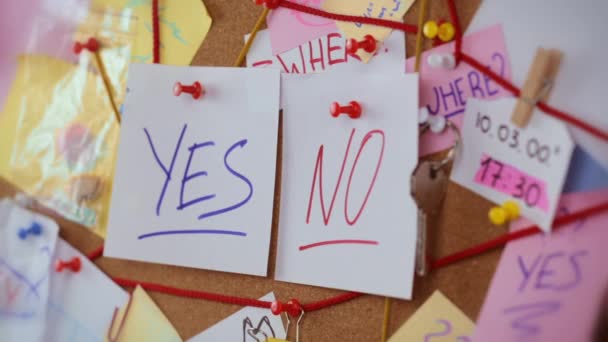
x=462, y=223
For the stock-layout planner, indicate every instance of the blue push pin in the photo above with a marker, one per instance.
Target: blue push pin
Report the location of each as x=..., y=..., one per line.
x=34, y=229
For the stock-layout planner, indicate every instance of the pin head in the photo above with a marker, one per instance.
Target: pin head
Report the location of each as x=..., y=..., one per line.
x=368, y=44
x=196, y=89
x=34, y=229
x=446, y=32
x=507, y=212
x=73, y=264
x=270, y=4
x=353, y=110
x=430, y=29
x=92, y=45
x=439, y=60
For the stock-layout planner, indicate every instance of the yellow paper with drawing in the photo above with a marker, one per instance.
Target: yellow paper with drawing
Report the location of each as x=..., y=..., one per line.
x=382, y=9
x=437, y=320
x=58, y=135
x=144, y=321
x=183, y=26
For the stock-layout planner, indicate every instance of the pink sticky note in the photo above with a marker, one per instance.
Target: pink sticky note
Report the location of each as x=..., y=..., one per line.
x=507, y=179
x=444, y=92
x=289, y=29
x=550, y=287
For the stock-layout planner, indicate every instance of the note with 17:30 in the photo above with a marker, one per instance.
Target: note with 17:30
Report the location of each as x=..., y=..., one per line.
x=501, y=161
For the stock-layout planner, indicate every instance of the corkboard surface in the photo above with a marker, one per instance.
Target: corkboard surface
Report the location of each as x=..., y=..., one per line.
x=462, y=223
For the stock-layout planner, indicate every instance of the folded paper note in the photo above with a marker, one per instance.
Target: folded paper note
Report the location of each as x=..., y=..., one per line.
x=438, y=319
x=327, y=52
x=550, y=287
x=347, y=219
x=249, y=324
x=445, y=92
x=194, y=181
x=141, y=320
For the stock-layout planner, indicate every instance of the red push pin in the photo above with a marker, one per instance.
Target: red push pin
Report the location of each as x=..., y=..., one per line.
x=353, y=109
x=294, y=309
x=270, y=4
x=196, y=89
x=368, y=44
x=92, y=45
x=276, y=307
x=74, y=264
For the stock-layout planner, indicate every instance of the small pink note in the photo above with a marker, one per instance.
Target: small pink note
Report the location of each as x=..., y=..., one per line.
x=509, y=180
x=445, y=92
x=289, y=29
x=550, y=287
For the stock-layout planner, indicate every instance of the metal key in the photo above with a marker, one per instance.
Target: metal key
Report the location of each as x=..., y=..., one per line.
x=428, y=185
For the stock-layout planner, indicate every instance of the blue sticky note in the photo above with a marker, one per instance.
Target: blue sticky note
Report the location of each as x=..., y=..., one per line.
x=585, y=173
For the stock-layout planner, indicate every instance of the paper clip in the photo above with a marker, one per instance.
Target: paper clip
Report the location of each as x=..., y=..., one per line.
x=122, y=321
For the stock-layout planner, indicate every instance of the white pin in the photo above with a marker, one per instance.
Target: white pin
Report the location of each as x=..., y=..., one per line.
x=439, y=60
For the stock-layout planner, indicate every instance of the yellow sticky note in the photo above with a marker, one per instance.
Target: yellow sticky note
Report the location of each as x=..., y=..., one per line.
x=437, y=320
x=383, y=9
x=144, y=321
x=183, y=26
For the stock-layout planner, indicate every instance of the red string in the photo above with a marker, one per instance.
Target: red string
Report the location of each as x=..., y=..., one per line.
x=458, y=32
x=459, y=55
x=96, y=253
x=350, y=18
x=500, y=241
x=155, y=32
x=554, y=112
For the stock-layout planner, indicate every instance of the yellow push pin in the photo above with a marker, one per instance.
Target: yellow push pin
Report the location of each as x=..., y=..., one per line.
x=446, y=32
x=507, y=212
x=430, y=29
x=273, y=339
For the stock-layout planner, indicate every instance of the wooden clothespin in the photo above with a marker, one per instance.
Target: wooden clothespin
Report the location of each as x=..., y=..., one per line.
x=538, y=85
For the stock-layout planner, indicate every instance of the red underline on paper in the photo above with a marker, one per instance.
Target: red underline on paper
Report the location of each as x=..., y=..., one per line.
x=338, y=242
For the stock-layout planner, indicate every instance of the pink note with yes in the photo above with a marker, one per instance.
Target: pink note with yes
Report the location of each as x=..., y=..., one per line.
x=444, y=92
x=289, y=28
x=549, y=287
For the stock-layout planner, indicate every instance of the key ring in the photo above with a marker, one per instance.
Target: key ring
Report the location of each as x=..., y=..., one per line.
x=457, y=142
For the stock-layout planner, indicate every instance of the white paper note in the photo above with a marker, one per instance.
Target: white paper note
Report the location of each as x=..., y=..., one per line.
x=81, y=305
x=572, y=27
x=249, y=325
x=347, y=219
x=500, y=161
x=24, y=266
x=327, y=52
x=194, y=181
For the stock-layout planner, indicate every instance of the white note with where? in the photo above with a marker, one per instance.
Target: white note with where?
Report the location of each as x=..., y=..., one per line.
x=501, y=161
x=347, y=218
x=194, y=181
x=328, y=52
